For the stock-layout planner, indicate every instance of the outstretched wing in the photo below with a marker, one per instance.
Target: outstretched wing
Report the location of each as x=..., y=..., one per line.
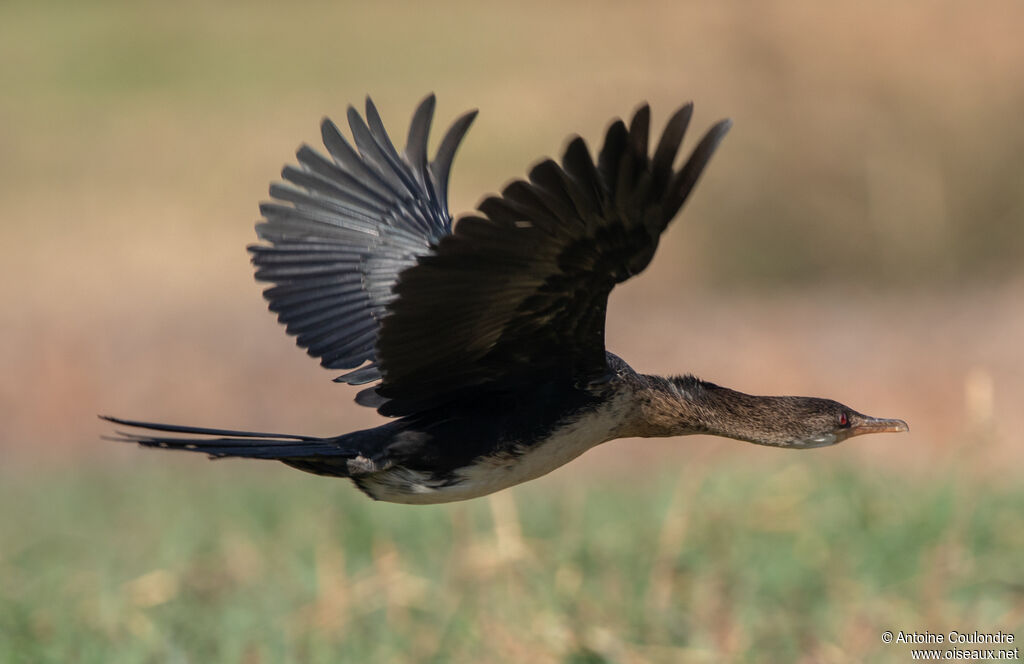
x=522, y=290
x=345, y=226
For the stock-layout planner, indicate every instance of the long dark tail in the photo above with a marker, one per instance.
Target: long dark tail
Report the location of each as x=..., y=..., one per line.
x=229, y=443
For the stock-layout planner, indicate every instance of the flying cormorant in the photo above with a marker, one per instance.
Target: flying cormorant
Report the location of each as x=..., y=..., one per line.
x=484, y=343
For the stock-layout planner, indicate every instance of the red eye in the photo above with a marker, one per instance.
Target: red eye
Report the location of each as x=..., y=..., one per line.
x=842, y=420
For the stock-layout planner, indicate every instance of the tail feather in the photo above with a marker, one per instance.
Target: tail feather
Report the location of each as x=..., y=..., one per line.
x=230, y=443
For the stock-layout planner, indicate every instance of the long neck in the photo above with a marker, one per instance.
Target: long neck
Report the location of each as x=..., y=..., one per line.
x=681, y=406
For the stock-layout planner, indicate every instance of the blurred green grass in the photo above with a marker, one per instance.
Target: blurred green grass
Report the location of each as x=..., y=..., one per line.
x=239, y=563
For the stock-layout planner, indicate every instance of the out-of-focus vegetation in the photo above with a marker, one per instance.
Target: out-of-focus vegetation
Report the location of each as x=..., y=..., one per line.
x=874, y=142
x=230, y=564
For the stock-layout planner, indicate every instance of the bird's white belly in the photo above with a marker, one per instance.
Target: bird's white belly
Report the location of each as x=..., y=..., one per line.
x=502, y=470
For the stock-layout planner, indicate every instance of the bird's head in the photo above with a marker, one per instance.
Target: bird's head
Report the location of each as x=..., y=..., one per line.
x=691, y=405
x=807, y=422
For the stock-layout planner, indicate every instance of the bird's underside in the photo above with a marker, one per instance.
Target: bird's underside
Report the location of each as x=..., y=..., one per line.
x=485, y=342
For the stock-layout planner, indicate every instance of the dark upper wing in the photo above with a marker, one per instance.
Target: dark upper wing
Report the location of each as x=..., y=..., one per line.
x=345, y=227
x=523, y=289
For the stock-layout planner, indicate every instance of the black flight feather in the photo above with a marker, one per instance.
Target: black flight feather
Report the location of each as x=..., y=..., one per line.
x=341, y=233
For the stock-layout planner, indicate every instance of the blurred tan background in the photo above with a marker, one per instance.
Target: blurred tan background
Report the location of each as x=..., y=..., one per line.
x=859, y=235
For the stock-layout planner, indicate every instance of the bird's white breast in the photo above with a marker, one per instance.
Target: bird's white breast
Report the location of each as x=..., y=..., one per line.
x=499, y=471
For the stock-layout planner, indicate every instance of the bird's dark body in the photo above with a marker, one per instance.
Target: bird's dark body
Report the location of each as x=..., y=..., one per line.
x=427, y=455
x=485, y=340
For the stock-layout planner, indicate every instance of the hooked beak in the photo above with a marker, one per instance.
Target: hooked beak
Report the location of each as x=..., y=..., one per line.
x=876, y=425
